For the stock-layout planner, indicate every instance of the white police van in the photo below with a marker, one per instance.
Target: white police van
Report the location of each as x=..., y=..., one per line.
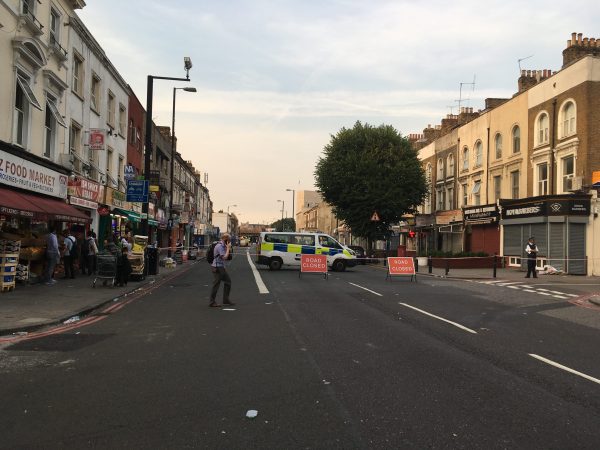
x=278, y=248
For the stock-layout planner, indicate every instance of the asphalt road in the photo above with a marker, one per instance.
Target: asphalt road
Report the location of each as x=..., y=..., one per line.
x=354, y=361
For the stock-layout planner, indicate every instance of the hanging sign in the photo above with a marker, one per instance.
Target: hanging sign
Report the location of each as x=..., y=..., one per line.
x=97, y=138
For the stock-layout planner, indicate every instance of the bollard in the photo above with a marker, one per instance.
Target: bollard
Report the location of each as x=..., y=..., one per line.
x=430, y=264
x=447, y=266
x=416, y=263
x=495, y=264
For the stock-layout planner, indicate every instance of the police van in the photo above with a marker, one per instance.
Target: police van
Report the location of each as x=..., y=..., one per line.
x=278, y=248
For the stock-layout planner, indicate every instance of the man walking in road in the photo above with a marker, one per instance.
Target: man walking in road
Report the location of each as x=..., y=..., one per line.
x=531, y=250
x=222, y=252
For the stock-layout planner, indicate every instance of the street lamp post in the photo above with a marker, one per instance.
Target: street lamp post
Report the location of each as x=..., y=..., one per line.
x=173, y=154
x=293, y=204
x=187, y=65
x=282, y=208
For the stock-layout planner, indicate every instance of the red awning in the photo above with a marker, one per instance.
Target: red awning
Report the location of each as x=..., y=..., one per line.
x=15, y=203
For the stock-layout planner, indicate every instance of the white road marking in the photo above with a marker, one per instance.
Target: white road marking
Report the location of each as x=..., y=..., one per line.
x=514, y=287
x=572, y=295
x=262, y=288
x=508, y=284
x=530, y=290
x=560, y=366
x=561, y=297
x=544, y=293
x=440, y=318
x=558, y=292
x=542, y=289
x=369, y=290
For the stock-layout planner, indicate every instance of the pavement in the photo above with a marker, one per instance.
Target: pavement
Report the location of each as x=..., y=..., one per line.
x=31, y=307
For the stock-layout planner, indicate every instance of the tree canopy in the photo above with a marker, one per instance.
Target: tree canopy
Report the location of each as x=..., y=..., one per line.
x=369, y=169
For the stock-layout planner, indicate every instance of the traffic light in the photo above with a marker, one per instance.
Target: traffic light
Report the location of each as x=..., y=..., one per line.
x=411, y=234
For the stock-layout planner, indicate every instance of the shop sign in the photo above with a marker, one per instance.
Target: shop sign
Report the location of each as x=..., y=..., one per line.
x=596, y=178
x=86, y=189
x=129, y=172
x=97, y=138
x=151, y=210
x=76, y=201
x=569, y=208
x=481, y=214
x=424, y=220
x=115, y=198
x=547, y=207
x=161, y=218
x=447, y=217
x=24, y=174
x=136, y=207
x=103, y=211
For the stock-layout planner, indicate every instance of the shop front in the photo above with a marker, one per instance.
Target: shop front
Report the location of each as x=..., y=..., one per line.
x=482, y=229
x=86, y=195
x=449, y=231
x=33, y=196
x=424, y=234
x=122, y=220
x=558, y=224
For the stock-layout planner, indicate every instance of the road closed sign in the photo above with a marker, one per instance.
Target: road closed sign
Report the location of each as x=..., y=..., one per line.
x=313, y=263
x=401, y=266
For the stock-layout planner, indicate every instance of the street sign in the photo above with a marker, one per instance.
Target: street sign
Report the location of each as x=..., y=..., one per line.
x=313, y=264
x=375, y=217
x=129, y=172
x=401, y=266
x=137, y=191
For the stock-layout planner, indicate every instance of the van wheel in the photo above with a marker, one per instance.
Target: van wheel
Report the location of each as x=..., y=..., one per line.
x=275, y=264
x=338, y=265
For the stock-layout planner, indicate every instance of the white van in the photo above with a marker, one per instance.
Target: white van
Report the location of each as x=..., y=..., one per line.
x=278, y=248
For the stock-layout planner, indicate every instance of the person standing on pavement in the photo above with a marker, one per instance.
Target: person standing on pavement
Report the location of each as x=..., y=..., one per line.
x=222, y=252
x=92, y=252
x=52, y=256
x=531, y=250
x=68, y=254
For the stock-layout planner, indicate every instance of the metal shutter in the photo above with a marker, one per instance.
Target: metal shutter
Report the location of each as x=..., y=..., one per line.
x=576, y=246
x=556, y=252
x=513, y=240
x=540, y=232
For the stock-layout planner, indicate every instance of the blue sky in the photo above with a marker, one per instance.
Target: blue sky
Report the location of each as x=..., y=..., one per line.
x=277, y=78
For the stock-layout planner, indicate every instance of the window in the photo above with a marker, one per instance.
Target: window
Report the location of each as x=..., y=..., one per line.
x=541, y=131
x=516, y=139
x=465, y=194
x=24, y=99
x=450, y=198
x=451, y=165
x=476, y=193
x=514, y=184
x=75, y=145
x=132, y=133
x=122, y=120
x=27, y=6
x=120, y=173
x=54, y=27
x=77, y=85
x=568, y=171
x=109, y=160
x=478, y=154
x=465, y=161
x=568, y=119
x=52, y=118
x=542, y=177
x=497, y=187
x=440, y=199
x=95, y=93
x=498, y=145
x=440, y=169
x=111, y=110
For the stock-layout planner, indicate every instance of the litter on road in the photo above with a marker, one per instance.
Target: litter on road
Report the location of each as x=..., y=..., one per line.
x=251, y=413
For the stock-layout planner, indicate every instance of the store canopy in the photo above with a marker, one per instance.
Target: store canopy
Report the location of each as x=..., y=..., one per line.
x=131, y=215
x=152, y=222
x=16, y=203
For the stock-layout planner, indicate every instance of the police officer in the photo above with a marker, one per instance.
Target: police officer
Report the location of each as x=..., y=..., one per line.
x=531, y=250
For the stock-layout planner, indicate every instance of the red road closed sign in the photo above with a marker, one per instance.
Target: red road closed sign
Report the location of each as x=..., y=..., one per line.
x=313, y=263
x=401, y=266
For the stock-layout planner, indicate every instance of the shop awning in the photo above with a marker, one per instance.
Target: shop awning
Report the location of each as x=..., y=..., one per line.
x=38, y=207
x=152, y=222
x=131, y=215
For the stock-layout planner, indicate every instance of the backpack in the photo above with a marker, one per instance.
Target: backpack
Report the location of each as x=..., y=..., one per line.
x=210, y=253
x=74, y=248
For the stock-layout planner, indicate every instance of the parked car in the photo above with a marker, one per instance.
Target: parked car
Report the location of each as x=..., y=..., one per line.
x=193, y=252
x=361, y=255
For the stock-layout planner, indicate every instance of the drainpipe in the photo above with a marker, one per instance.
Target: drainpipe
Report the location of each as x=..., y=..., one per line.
x=551, y=172
x=487, y=168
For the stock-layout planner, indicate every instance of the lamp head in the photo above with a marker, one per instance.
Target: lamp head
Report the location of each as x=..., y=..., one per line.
x=190, y=89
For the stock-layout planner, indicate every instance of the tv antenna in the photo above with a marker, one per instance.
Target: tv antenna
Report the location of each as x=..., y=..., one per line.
x=460, y=91
x=522, y=59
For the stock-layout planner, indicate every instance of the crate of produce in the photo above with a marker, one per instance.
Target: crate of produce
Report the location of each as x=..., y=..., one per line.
x=7, y=278
x=6, y=269
x=9, y=258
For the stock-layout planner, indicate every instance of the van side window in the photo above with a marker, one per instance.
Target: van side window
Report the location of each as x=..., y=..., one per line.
x=326, y=241
x=277, y=238
x=304, y=240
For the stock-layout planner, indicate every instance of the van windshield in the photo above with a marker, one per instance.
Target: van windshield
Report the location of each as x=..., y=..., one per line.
x=328, y=241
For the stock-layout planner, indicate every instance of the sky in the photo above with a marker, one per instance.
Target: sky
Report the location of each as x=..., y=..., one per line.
x=276, y=79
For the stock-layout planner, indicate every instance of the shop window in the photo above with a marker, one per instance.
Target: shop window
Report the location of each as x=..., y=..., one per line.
x=516, y=139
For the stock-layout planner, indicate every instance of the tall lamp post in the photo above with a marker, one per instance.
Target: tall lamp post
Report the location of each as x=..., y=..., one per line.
x=173, y=154
x=282, y=208
x=293, y=204
x=187, y=65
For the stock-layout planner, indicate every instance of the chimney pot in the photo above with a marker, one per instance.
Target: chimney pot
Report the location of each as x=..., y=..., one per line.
x=585, y=42
x=574, y=38
x=568, y=43
x=592, y=42
x=523, y=72
x=579, y=38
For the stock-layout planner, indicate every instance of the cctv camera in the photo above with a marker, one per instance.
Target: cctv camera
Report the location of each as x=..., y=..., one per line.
x=187, y=63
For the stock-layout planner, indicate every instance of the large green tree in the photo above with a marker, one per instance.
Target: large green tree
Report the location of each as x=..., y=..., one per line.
x=369, y=169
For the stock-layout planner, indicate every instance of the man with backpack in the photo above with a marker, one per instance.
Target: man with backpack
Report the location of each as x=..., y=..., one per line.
x=69, y=254
x=220, y=253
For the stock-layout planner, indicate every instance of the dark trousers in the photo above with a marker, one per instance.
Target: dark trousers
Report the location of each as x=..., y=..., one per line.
x=531, y=268
x=91, y=264
x=220, y=274
x=69, y=268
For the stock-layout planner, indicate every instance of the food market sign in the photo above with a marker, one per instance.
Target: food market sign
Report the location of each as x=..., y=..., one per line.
x=20, y=173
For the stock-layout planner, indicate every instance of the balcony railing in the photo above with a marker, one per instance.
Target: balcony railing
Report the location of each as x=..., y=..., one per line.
x=60, y=52
x=30, y=20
